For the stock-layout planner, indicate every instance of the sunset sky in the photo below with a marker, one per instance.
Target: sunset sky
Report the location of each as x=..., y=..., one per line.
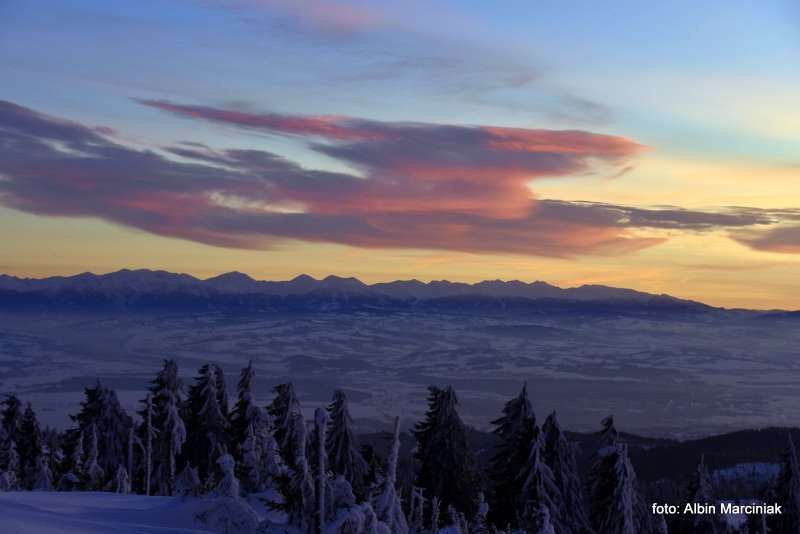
x=647, y=145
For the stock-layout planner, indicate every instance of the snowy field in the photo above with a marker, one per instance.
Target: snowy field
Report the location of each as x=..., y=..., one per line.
x=98, y=513
x=659, y=377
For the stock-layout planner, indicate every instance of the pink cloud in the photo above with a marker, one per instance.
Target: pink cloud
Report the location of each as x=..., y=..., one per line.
x=426, y=186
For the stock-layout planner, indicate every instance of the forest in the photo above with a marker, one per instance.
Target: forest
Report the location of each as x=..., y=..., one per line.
x=189, y=442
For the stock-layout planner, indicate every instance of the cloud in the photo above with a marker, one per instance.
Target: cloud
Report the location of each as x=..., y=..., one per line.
x=333, y=19
x=431, y=167
x=420, y=186
x=784, y=239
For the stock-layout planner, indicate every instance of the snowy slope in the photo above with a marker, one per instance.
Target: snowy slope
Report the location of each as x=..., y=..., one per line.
x=97, y=513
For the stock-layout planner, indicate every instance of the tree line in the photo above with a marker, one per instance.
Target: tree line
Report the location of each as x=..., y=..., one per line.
x=190, y=442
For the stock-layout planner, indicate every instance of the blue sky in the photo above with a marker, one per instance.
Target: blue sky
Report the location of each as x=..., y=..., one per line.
x=709, y=89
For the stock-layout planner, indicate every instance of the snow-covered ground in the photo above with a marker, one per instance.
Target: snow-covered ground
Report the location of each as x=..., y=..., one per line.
x=26, y=512
x=96, y=512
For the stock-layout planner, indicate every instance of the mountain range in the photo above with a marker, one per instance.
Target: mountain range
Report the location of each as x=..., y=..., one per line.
x=146, y=288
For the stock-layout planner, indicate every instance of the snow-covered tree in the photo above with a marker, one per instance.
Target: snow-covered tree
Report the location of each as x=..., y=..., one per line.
x=344, y=456
x=102, y=410
x=271, y=463
x=169, y=429
x=538, y=489
x=207, y=423
x=150, y=434
x=436, y=507
x=30, y=446
x=787, y=493
x=480, y=524
x=73, y=466
x=283, y=410
x=174, y=430
x=9, y=474
x=228, y=485
x=245, y=411
x=320, y=431
x=296, y=487
x=95, y=474
x=701, y=491
x=559, y=456
x=250, y=470
x=11, y=416
x=541, y=523
x=515, y=430
x=188, y=482
x=616, y=506
x=386, y=504
x=43, y=477
x=446, y=467
x=122, y=482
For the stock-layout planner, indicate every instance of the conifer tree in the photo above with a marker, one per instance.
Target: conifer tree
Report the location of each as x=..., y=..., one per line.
x=387, y=505
x=344, y=455
x=94, y=472
x=787, y=493
x=166, y=392
x=9, y=474
x=188, y=482
x=73, y=466
x=616, y=506
x=174, y=430
x=43, y=475
x=245, y=411
x=102, y=410
x=283, y=411
x=297, y=485
x=538, y=489
x=559, y=456
x=30, y=446
x=228, y=485
x=11, y=416
x=150, y=434
x=122, y=483
x=207, y=425
x=700, y=491
x=515, y=431
x=446, y=467
x=320, y=431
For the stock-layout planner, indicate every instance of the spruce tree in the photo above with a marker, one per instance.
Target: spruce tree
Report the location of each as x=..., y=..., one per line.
x=320, y=431
x=616, y=506
x=296, y=485
x=150, y=434
x=515, y=431
x=30, y=446
x=559, y=456
x=283, y=410
x=43, y=475
x=166, y=392
x=538, y=490
x=445, y=465
x=207, y=424
x=344, y=456
x=700, y=491
x=387, y=505
x=245, y=411
x=11, y=416
x=102, y=410
x=787, y=493
x=10, y=473
x=95, y=474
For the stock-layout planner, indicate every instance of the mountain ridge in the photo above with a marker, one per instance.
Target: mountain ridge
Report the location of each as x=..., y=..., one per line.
x=126, y=286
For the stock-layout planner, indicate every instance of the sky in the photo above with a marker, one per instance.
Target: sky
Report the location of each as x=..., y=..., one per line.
x=632, y=144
